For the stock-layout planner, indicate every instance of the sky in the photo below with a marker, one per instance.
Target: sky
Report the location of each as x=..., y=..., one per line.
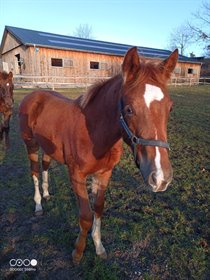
x=146, y=23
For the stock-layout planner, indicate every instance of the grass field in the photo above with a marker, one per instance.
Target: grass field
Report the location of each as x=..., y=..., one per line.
x=147, y=236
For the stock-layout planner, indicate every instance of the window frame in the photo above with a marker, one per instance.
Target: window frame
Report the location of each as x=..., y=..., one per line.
x=66, y=61
x=53, y=59
x=190, y=70
x=96, y=63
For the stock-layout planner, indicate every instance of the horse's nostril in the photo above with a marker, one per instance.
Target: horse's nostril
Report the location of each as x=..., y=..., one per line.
x=152, y=179
x=158, y=184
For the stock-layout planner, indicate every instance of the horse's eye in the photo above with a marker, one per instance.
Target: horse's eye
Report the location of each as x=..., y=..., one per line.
x=128, y=110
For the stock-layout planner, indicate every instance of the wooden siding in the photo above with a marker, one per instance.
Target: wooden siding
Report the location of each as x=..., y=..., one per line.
x=184, y=69
x=81, y=63
x=12, y=61
x=205, y=68
x=10, y=43
x=36, y=61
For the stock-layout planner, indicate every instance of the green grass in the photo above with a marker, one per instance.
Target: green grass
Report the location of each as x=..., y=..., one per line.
x=146, y=235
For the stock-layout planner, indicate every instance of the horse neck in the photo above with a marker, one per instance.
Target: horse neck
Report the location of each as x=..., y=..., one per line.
x=102, y=115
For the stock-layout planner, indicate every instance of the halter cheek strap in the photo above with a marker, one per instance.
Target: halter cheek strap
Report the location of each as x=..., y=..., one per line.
x=136, y=140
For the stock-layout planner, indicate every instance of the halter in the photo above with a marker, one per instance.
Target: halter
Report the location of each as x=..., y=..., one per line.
x=135, y=141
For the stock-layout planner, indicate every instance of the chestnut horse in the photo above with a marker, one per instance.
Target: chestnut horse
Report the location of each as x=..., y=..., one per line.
x=6, y=100
x=86, y=135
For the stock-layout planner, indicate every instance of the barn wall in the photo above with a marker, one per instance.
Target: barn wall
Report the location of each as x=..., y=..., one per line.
x=16, y=60
x=108, y=65
x=10, y=43
x=205, y=69
x=187, y=70
x=36, y=61
x=41, y=60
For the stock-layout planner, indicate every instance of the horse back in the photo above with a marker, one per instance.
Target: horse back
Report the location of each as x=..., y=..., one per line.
x=42, y=115
x=38, y=101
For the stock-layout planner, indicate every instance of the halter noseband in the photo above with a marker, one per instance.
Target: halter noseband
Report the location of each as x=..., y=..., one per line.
x=136, y=140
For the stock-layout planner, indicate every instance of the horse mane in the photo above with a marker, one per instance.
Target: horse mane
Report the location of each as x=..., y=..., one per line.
x=149, y=72
x=94, y=90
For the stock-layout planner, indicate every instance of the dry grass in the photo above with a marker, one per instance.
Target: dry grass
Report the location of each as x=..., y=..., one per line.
x=147, y=235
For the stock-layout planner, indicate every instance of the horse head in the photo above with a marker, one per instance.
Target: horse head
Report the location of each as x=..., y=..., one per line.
x=145, y=106
x=6, y=88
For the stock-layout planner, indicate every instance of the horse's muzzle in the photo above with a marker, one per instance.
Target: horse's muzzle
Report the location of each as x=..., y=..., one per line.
x=158, y=184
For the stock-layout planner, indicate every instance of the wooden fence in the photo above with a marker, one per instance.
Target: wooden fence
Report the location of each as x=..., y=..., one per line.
x=180, y=81
x=53, y=82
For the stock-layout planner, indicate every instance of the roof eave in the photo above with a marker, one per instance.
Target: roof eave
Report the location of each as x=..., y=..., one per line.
x=14, y=35
x=82, y=50
x=70, y=49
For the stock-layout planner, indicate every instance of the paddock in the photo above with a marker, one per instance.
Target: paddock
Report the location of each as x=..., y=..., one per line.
x=147, y=235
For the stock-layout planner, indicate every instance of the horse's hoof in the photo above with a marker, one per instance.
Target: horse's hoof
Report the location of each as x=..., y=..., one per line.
x=76, y=258
x=47, y=197
x=103, y=256
x=39, y=213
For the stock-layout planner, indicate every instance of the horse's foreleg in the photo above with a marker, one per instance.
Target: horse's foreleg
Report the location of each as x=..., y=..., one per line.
x=37, y=196
x=32, y=148
x=35, y=175
x=100, y=182
x=45, y=185
x=85, y=217
x=6, y=120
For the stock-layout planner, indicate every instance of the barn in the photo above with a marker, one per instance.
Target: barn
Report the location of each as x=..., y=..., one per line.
x=42, y=57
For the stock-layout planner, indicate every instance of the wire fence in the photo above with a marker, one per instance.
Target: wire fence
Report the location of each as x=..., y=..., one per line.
x=53, y=82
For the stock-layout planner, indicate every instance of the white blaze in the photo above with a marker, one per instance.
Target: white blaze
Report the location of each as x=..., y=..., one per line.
x=159, y=171
x=152, y=93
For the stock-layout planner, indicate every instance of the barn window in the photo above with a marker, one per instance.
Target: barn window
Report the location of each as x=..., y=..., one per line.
x=94, y=65
x=68, y=63
x=190, y=71
x=57, y=62
x=103, y=66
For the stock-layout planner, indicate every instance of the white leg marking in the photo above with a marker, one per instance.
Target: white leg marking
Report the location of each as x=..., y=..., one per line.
x=96, y=235
x=95, y=185
x=152, y=93
x=37, y=195
x=45, y=184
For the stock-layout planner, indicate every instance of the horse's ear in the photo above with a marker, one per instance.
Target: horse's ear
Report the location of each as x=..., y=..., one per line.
x=167, y=66
x=131, y=64
x=10, y=75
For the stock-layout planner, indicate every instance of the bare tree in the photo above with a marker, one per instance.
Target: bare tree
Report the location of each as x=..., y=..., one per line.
x=181, y=38
x=201, y=26
x=84, y=31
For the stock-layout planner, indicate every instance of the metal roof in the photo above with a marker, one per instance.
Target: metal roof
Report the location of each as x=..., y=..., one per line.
x=44, y=39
